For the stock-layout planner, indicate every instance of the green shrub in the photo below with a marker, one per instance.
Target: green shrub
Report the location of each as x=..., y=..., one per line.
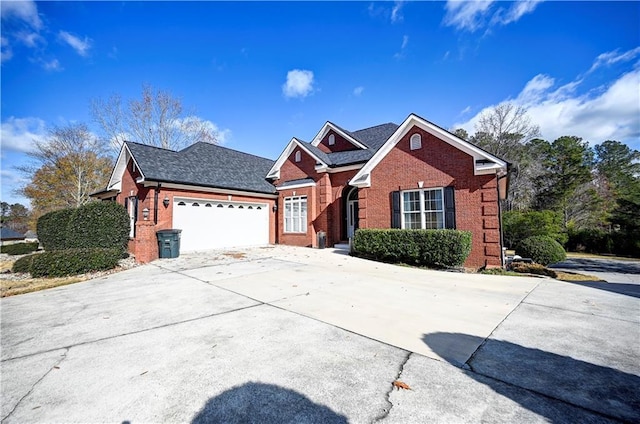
x=23, y=264
x=517, y=226
x=432, y=248
x=590, y=240
x=542, y=249
x=525, y=268
x=52, y=229
x=99, y=224
x=19, y=248
x=61, y=263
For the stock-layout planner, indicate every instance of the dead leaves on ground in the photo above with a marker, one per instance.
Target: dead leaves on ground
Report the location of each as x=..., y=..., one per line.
x=400, y=385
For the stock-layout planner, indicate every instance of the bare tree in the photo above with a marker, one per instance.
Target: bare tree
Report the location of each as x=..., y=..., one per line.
x=506, y=131
x=70, y=164
x=156, y=119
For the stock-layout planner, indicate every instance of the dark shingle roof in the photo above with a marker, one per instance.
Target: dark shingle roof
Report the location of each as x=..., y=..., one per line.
x=373, y=138
x=297, y=182
x=9, y=234
x=204, y=164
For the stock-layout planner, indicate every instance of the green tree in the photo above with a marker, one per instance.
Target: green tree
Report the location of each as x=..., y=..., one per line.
x=567, y=164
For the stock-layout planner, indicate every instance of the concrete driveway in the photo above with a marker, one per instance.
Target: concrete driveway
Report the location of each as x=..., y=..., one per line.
x=285, y=334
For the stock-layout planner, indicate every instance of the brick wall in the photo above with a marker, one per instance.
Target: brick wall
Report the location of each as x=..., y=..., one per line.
x=144, y=246
x=341, y=144
x=437, y=164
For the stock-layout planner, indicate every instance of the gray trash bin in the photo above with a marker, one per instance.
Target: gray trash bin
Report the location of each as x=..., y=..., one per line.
x=322, y=239
x=168, y=243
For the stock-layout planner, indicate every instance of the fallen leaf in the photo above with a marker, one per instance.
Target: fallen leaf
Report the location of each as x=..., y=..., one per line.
x=400, y=385
x=144, y=373
x=56, y=367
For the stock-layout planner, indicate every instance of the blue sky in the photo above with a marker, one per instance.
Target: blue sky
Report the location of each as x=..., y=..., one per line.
x=262, y=73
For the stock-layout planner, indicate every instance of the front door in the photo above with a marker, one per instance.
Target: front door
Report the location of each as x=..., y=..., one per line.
x=352, y=212
x=352, y=218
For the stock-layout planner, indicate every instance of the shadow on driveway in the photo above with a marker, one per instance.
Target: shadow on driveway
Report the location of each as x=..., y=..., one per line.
x=597, y=388
x=265, y=403
x=615, y=272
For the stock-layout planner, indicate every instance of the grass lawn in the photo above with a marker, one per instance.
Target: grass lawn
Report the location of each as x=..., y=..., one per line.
x=596, y=256
x=14, y=287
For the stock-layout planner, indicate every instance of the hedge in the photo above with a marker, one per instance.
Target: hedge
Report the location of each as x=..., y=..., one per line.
x=542, y=249
x=52, y=229
x=98, y=224
x=23, y=264
x=93, y=225
x=518, y=225
x=431, y=248
x=61, y=263
x=19, y=248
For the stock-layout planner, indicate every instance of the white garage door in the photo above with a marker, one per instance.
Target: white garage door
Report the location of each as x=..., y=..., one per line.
x=208, y=224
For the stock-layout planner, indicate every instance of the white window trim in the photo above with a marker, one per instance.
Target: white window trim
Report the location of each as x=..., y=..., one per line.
x=415, y=142
x=332, y=139
x=422, y=209
x=303, y=222
x=298, y=156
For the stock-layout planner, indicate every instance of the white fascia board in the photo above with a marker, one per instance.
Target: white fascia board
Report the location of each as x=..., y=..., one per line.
x=414, y=120
x=339, y=168
x=329, y=126
x=187, y=187
x=301, y=185
x=274, y=172
x=115, y=181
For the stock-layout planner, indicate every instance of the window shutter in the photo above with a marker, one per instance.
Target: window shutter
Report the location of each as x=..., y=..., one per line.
x=395, y=205
x=449, y=208
x=135, y=214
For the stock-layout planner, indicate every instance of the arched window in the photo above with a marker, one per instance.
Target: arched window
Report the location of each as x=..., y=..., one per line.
x=298, y=156
x=181, y=204
x=195, y=204
x=332, y=140
x=220, y=205
x=208, y=205
x=416, y=142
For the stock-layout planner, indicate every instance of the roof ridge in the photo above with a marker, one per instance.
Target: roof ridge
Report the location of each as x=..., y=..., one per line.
x=150, y=146
x=226, y=148
x=375, y=126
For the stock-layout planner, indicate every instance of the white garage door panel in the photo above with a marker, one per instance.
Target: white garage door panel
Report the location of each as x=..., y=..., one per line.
x=223, y=224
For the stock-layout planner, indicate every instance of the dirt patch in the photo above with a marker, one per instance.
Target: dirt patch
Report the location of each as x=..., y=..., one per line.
x=235, y=255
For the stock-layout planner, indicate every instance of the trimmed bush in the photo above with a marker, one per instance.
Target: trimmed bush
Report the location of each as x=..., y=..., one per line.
x=517, y=226
x=23, y=264
x=542, y=249
x=19, y=248
x=431, y=248
x=98, y=225
x=52, y=229
x=61, y=263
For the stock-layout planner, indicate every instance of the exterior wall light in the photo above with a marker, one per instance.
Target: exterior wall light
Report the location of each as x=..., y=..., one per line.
x=145, y=213
x=165, y=202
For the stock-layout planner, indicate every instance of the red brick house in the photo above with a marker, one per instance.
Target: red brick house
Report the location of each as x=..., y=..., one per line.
x=218, y=197
x=413, y=175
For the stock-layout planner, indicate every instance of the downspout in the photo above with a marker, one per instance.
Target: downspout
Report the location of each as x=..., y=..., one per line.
x=155, y=204
x=499, y=177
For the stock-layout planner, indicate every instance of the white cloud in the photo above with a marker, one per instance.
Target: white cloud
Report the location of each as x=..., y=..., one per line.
x=610, y=58
x=465, y=110
x=18, y=134
x=6, y=53
x=396, y=12
x=607, y=112
x=51, y=65
x=466, y=15
x=299, y=83
x=405, y=42
x=358, y=90
x=473, y=15
x=30, y=39
x=26, y=11
x=80, y=46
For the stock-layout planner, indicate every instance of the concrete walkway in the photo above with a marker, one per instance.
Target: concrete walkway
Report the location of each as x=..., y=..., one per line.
x=284, y=334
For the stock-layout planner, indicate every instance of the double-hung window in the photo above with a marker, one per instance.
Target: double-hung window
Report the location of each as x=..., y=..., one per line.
x=423, y=209
x=295, y=214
